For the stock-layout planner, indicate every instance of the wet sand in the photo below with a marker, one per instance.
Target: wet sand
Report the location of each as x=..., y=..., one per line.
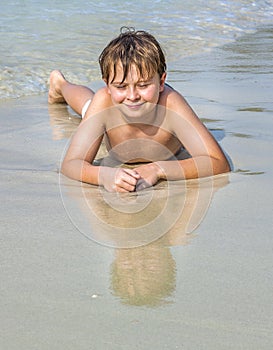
x=207, y=285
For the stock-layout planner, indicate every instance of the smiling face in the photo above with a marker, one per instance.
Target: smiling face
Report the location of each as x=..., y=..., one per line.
x=136, y=95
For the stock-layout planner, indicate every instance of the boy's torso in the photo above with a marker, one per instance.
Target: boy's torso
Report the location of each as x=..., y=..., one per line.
x=143, y=141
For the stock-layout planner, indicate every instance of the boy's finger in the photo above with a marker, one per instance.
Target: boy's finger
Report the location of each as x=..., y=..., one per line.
x=125, y=187
x=132, y=172
x=126, y=182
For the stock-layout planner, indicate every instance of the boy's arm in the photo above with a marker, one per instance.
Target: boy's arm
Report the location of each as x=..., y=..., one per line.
x=77, y=163
x=82, y=151
x=207, y=158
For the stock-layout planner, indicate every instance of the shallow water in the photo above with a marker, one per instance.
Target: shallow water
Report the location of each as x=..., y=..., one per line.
x=39, y=36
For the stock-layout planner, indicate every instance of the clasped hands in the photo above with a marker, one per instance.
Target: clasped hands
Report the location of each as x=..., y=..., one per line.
x=129, y=180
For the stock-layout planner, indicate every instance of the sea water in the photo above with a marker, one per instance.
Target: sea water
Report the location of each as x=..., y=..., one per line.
x=39, y=36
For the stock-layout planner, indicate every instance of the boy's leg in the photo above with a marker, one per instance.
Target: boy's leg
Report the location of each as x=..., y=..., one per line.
x=62, y=91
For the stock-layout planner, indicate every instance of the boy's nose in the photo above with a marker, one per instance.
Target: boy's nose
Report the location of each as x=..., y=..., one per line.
x=132, y=94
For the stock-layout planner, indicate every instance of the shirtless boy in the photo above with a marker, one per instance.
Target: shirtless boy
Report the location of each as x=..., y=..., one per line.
x=142, y=120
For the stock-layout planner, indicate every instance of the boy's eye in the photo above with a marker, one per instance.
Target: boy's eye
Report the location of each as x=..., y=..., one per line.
x=143, y=85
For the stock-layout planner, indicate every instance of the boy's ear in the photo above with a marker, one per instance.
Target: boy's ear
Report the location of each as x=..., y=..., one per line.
x=162, y=81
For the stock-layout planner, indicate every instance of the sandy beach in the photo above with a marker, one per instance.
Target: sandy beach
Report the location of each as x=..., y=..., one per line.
x=205, y=284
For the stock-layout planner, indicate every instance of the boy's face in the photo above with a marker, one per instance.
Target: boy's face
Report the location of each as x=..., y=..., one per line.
x=135, y=95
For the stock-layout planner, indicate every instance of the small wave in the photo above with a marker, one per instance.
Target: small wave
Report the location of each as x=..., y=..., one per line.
x=36, y=39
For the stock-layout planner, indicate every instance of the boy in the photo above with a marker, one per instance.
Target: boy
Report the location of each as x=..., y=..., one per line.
x=143, y=121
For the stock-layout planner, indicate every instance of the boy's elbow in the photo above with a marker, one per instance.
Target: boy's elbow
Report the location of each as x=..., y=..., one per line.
x=222, y=166
x=227, y=168
x=65, y=168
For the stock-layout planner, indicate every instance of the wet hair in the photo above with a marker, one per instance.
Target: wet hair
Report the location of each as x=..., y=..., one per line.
x=132, y=47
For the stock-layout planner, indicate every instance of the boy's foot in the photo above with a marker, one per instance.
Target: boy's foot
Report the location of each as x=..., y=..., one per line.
x=54, y=94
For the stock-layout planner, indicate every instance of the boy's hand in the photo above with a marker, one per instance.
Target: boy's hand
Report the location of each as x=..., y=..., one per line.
x=119, y=180
x=149, y=175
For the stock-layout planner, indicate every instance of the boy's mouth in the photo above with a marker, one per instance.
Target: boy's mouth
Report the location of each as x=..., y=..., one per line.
x=134, y=106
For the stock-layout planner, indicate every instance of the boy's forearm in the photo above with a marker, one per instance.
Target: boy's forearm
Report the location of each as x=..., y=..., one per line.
x=81, y=170
x=112, y=179
x=191, y=168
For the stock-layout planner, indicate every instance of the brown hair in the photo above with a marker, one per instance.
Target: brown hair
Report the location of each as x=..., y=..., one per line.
x=132, y=47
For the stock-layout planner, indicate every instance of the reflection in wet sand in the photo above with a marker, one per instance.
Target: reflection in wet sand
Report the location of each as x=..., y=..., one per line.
x=144, y=270
x=138, y=218
x=63, y=121
x=144, y=275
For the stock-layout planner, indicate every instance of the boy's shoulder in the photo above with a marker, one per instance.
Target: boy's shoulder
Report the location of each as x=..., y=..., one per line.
x=100, y=102
x=170, y=97
x=102, y=92
x=102, y=98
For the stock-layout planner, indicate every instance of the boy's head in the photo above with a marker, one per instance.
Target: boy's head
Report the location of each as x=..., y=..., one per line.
x=131, y=47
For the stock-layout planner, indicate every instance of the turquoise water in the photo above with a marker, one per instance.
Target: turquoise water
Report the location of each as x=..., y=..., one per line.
x=38, y=36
